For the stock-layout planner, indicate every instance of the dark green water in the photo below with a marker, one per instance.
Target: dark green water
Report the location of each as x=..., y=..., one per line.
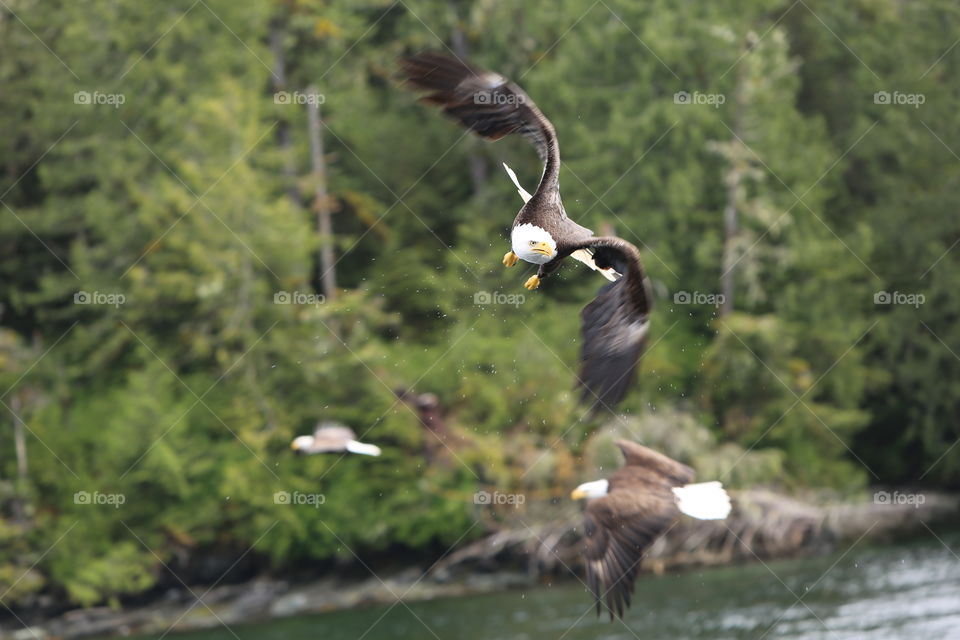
x=894, y=592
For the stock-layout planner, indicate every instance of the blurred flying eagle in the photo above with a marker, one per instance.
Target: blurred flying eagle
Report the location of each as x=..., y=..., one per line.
x=615, y=324
x=627, y=512
x=330, y=437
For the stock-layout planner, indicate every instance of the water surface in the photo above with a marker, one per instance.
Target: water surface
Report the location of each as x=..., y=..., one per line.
x=864, y=593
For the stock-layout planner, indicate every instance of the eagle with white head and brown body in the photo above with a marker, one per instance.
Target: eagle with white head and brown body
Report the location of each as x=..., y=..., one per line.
x=627, y=512
x=615, y=324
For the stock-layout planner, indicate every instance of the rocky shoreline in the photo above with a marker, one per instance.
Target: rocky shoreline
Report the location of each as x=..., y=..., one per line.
x=519, y=550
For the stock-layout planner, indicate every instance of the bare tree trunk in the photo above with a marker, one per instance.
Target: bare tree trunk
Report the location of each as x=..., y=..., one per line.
x=458, y=42
x=327, y=275
x=277, y=30
x=20, y=446
x=19, y=438
x=734, y=180
x=729, y=236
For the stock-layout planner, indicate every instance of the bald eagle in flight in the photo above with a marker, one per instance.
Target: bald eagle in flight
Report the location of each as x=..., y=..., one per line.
x=628, y=511
x=330, y=437
x=615, y=324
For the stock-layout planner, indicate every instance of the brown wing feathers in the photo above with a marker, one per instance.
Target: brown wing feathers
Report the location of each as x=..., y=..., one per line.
x=625, y=525
x=484, y=102
x=667, y=469
x=614, y=325
x=621, y=526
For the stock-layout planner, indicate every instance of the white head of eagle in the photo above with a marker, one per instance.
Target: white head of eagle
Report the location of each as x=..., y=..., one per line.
x=533, y=244
x=590, y=490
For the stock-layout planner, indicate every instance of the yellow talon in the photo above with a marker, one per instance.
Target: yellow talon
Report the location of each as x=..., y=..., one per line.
x=510, y=259
x=532, y=283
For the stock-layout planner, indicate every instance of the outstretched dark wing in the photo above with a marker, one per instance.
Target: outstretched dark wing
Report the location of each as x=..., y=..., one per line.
x=619, y=528
x=666, y=470
x=486, y=103
x=614, y=326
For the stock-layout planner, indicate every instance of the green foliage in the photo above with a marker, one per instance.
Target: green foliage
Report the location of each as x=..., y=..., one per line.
x=762, y=392
x=117, y=568
x=678, y=434
x=192, y=200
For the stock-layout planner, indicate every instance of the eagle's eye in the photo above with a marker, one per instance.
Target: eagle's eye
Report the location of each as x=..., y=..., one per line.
x=533, y=242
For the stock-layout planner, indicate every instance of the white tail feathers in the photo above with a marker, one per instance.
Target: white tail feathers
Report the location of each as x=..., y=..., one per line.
x=359, y=447
x=523, y=192
x=704, y=500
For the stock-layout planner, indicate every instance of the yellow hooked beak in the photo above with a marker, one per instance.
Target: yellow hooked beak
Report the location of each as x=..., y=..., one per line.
x=293, y=445
x=542, y=248
x=578, y=494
